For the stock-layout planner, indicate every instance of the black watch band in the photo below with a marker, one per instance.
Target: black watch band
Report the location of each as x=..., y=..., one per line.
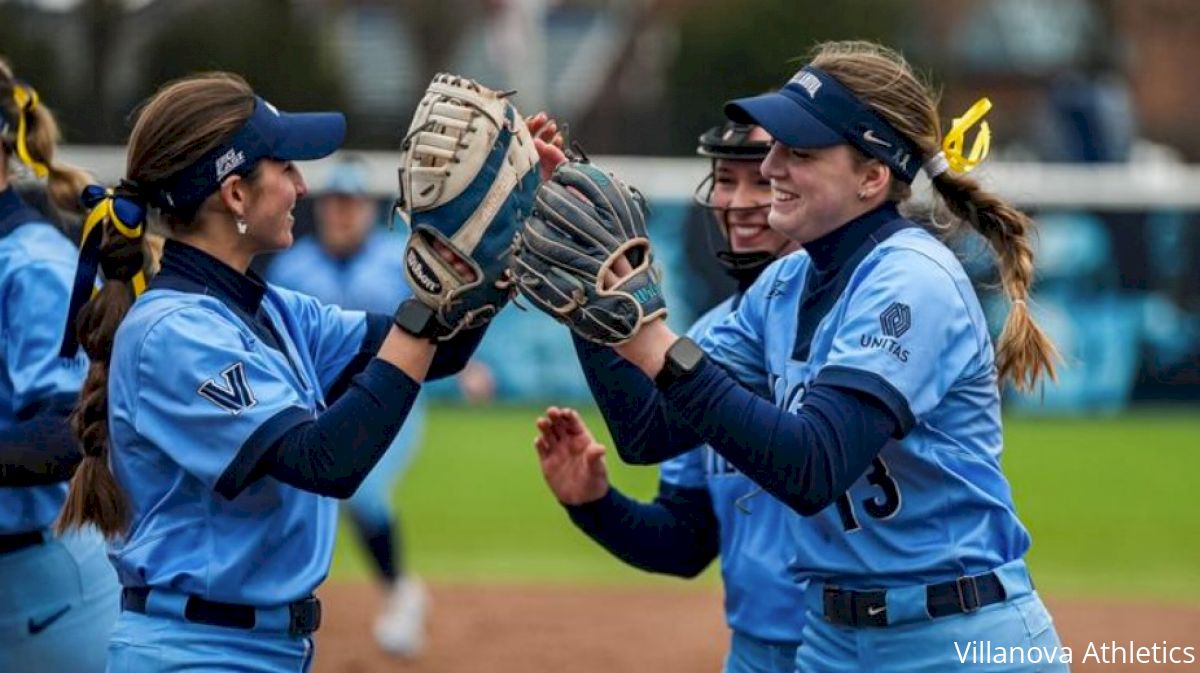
x=683, y=357
x=417, y=319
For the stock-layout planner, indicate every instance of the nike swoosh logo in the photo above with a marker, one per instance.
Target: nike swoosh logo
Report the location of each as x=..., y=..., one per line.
x=36, y=627
x=869, y=136
x=876, y=611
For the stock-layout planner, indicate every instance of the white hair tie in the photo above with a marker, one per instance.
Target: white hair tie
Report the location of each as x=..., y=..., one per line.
x=936, y=165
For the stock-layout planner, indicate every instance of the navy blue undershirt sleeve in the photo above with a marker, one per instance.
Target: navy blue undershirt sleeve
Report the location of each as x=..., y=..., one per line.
x=450, y=358
x=642, y=426
x=677, y=534
x=333, y=454
x=873, y=385
x=253, y=457
x=806, y=459
x=378, y=325
x=40, y=448
x=453, y=355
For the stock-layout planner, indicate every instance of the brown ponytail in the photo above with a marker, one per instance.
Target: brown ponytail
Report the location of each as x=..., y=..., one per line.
x=1024, y=352
x=64, y=182
x=180, y=123
x=94, y=496
x=883, y=79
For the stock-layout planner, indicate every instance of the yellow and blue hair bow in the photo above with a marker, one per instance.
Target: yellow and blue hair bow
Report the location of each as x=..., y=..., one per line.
x=26, y=99
x=128, y=217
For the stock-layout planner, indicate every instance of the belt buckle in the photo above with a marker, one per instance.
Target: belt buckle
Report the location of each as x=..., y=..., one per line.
x=959, y=587
x=304, y=616
x=839, y=606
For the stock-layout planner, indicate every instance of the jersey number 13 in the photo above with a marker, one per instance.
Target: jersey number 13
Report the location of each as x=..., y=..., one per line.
x=882, y=506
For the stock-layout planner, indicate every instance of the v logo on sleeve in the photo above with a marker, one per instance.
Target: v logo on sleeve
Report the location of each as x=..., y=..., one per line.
x=235, y=395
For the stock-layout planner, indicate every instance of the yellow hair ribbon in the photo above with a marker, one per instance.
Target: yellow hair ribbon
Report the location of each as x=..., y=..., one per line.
x=101, y=203
x=105, y=208
x=952, y=144
x=26, y=99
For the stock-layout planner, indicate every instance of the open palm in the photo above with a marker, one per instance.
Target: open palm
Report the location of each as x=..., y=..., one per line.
x=572, y=461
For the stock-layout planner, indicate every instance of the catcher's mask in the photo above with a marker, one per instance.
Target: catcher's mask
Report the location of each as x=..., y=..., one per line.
x=731, y=141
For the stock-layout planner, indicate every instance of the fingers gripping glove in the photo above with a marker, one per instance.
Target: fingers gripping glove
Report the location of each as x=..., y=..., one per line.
x=468, y=172
x=584, y=220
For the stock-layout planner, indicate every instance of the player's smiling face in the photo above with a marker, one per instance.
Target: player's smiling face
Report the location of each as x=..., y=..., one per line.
x=813, y=191
x=269, y=215
x=740, y=185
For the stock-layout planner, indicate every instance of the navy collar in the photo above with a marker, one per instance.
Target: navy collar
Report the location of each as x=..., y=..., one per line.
x=209, y=275
x=831, y=251
x=14, y=211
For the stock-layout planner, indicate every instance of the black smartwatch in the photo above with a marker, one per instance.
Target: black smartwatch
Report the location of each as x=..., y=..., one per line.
x=417, y=319
x=683, y=357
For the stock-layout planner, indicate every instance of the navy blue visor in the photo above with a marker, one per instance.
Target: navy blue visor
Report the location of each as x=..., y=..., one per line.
x=267, y=134
x=814, y=110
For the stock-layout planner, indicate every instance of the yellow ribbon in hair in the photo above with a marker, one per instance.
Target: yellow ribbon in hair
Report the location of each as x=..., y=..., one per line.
x=26, y=99
x=952, y=144
x=128, y=216
x=104, y=207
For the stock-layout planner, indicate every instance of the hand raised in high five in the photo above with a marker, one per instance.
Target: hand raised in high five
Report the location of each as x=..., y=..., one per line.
x=549, y=142
x=572, y=461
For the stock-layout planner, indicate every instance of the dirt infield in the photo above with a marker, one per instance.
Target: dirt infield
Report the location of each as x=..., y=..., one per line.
x=485, y=629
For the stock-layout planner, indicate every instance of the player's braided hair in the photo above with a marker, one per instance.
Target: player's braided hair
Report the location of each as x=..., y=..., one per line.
x=94, y=496
x=63, y=181
x=175, y=127
x=883, y=79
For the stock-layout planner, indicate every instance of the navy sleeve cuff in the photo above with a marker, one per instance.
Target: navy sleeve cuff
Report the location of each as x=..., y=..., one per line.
x=876, y=386
x=243, y=469
x=589, y=512
x=451, y=356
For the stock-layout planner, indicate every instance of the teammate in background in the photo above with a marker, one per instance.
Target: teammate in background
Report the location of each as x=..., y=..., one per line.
x=881, y=423
x=351, y=263
x=704, y=506
x=219, y=412
x=58, y=592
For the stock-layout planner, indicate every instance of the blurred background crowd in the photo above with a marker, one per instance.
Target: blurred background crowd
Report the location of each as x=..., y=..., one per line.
x=1105, y=87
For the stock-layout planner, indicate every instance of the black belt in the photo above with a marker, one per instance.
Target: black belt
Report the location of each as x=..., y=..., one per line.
x=19, y=541
x=869, y=608
x=305, y=614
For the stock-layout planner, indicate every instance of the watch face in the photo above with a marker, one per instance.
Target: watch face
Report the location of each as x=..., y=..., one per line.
x=686, y=354
x=415, y=318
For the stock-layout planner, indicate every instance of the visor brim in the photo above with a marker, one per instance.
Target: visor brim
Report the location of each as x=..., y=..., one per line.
x=786, y=120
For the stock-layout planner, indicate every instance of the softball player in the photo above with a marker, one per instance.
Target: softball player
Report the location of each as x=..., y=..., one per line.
x=882, y=429
x=221, y=415
x=58, y=594
x=704, y=506
x=352, y=264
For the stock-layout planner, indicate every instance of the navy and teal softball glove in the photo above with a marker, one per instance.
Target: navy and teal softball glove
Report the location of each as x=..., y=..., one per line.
x=583, y=256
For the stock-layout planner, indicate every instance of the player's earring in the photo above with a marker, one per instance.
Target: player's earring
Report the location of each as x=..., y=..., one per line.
x=241, y=226
x=862, y=196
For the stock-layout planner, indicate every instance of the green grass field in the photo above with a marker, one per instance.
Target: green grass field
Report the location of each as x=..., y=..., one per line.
x=1112, y=504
